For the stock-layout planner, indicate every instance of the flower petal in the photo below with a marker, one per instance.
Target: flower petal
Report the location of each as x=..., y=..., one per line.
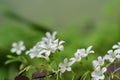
x=69, y=69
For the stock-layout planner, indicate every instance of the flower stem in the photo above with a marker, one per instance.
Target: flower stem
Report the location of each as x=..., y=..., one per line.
x=84, y=75
x=116, y=70
x=73, y=75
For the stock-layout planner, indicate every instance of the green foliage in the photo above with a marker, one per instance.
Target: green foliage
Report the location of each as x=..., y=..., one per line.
x=78, y=34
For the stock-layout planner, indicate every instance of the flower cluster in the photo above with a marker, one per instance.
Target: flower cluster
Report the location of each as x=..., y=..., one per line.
x=46, y=46
x=50, y=44
x=99, y=69
x=79, y=54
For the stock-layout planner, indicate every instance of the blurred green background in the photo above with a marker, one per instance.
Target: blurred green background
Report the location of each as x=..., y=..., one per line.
x=79, y=22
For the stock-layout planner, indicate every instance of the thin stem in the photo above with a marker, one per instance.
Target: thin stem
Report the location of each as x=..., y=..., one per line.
x=60, y=76
x=116, y=70
x=117, y=77
x=84, y=75
x=108, y=64
x=57, y=77
x=73, y=75
x=114, y=65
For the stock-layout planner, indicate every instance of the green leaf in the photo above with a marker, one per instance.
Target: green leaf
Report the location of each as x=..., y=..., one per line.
x=25, y=69
x=10, y=61
x=10, y=56
x=21, y=66
x=84, y=75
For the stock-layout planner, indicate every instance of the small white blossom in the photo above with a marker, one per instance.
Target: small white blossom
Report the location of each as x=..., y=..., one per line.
x=98, y=62
x=80, y=53
x=60, y=46
x=66, y=66
x=87, y=51
x=18, y=47
x=111, y=56
x=98, y=73
x=49, y=36
x=117, y=47
x=33, y=52
x=117, y=55
x=77, y=56
x=50, y=43
x=46, y=46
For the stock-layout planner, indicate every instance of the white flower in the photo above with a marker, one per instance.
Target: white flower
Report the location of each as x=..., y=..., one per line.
x=77, y=56
x=117, y=53
x=88, y=50
x=98, y=74
x=33, y=52
x=60, y=46
x=116, y=46
x=111, y=56
x=50, y=43
x=84, y=52
x=49, y=36
x=18, y=47
x=98, y=62
x=81, y=53
x=66, y=66
x=46, y=46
